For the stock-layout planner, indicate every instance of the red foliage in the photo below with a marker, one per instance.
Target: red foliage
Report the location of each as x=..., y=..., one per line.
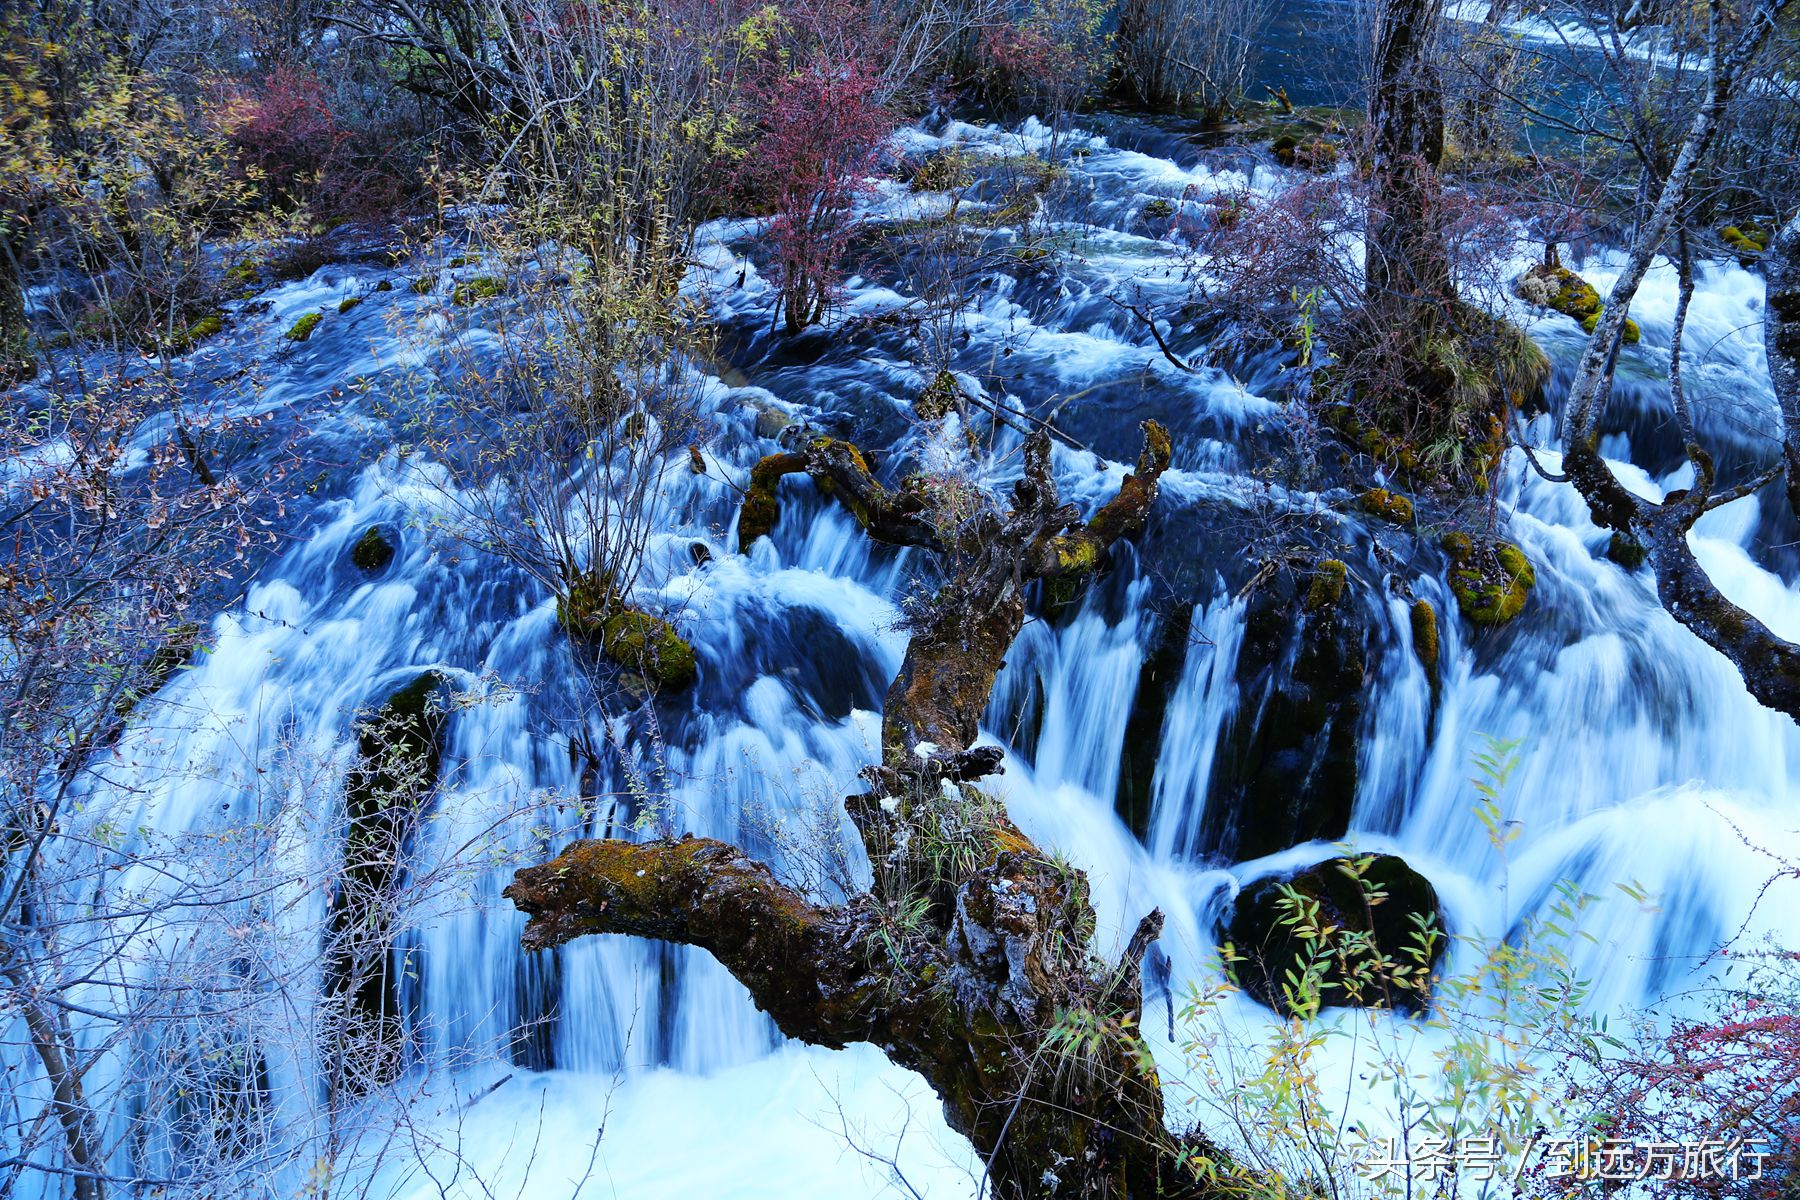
x=285, y=128
x=823, y=132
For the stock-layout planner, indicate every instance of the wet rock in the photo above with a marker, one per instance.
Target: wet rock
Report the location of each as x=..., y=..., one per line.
x=372, y=551
x=1286, y=766
x=1389, y=936
x=771, y=421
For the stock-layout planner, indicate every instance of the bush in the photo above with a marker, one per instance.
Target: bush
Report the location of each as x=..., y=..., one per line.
x=284, y=129
x=822, y=137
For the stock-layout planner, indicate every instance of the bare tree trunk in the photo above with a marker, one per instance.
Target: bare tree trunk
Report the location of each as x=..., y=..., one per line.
x=54, y=1046
x=1770, y=665
x=968, y=960
x=1408, y=266
x=1781, y=337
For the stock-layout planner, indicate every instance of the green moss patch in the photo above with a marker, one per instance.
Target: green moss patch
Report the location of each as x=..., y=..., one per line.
x=303, y=328
x=486, y=287
x=1389, y=506
x=348, y=303
x=1490, y=579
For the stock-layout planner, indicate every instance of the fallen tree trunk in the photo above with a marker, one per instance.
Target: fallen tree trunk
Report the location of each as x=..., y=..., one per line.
x=968, y=960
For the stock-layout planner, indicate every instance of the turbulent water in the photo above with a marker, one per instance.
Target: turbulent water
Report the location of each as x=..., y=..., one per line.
x=1643, y=760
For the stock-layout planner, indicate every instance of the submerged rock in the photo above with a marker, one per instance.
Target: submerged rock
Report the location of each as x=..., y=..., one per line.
x=1387, y=936
x=372, y=551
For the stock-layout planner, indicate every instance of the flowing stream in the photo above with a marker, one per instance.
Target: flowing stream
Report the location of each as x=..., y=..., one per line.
x=1642, y=759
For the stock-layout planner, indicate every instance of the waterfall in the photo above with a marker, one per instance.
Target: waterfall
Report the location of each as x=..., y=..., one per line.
x=1643, y=761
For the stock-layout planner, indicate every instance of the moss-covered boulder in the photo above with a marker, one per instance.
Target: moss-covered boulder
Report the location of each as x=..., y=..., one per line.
x=1361, y=932
x=1749, y=241
x=1562, y=290
x=1425, y=635
x=1557, y=287
x=302, y=329
x=348, y=303
x=1627, y=551
x=484, y=287
x=372, y=551
x=399, y=751
x=1490, y=579
x=1329, y=579
x=649, y=646
x=591, y=610
x=1388, y=506
x=186, y=339
x=1157, y=209
x=1311, y=153
x=1631, y=335
x=947, y=170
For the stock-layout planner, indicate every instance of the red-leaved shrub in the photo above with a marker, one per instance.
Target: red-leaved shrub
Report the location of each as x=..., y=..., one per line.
x=823, y=132
x=285, y=128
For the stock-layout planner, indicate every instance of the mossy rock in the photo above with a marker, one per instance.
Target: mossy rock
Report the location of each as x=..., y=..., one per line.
x=206, y=327
x=1157, y=210
x=591, y=610
x=424, y=284
x=941, y=397
x=650, y=646
x=243, y=275
x=1558, y=288
x=1627, y=551
x=386, y=285
x=1425, y=634
x=1748, y=241
x=303, y=328
x=348, y=303
x=1316, y=153
x=485, y=287
x=946, y=170
x=1387, y=936
x=1490, y=579
x=1329, y=579
x=1389, y=506
x=372, y=551
x=1631, y=335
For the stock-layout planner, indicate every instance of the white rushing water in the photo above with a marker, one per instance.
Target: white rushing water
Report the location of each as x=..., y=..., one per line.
x=1642, y=756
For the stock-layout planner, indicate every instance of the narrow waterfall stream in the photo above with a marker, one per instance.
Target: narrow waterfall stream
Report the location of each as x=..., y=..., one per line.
x=1643, y=761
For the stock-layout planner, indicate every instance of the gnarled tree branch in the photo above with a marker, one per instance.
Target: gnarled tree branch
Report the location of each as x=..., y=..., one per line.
x=968, y=960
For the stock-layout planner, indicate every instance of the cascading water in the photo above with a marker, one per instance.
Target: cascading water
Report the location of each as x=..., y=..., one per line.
x=1642, y=756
